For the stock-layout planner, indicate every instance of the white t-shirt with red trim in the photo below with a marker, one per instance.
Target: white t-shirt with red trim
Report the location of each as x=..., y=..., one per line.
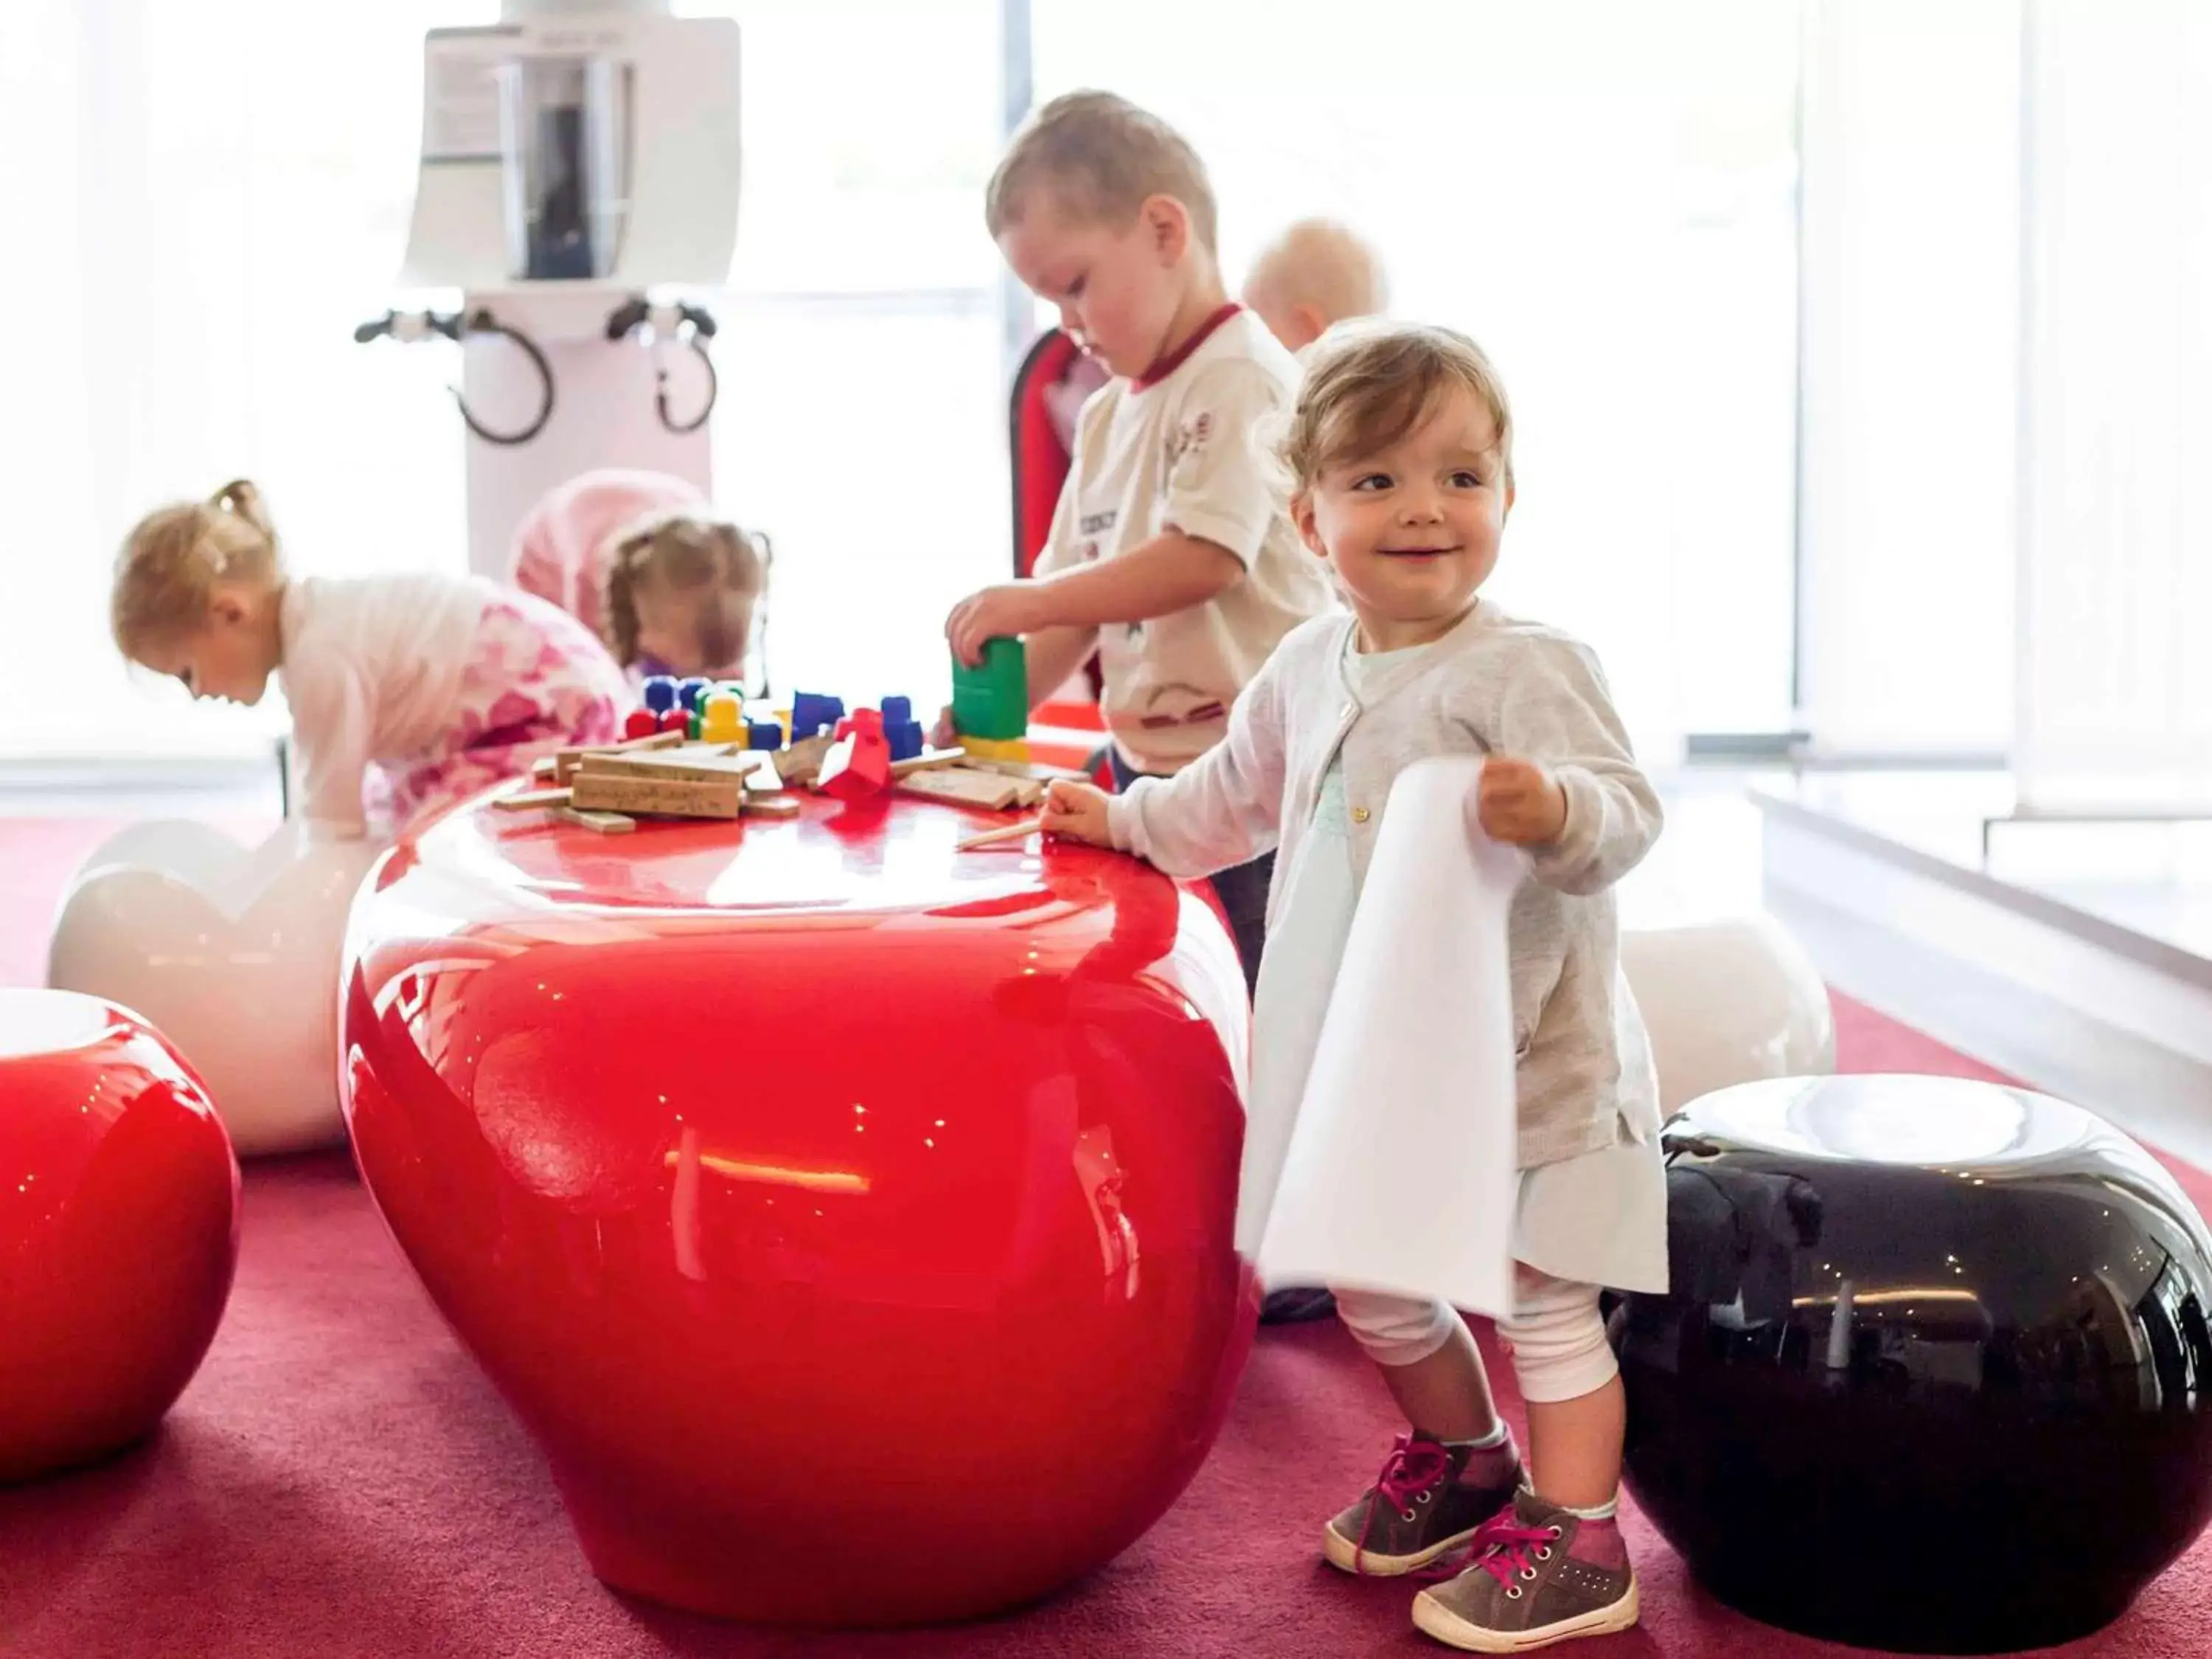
x=1184, y=449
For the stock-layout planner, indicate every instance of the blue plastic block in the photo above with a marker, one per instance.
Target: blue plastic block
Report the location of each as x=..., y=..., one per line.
x=810, y=713
x=905, y=738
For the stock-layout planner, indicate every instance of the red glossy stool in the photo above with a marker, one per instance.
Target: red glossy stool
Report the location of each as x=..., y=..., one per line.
x=118, y=1229
x=848, y=1218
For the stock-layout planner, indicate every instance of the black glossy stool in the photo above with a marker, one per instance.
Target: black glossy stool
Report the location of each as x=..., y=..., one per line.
x=1935, y=1374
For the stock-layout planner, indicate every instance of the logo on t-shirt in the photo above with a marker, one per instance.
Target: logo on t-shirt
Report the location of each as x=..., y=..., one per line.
x=1199, y=709
x=1098, y=523
x=1190, y=437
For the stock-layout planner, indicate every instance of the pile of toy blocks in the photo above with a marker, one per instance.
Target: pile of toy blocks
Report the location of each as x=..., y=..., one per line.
x=695, y=750
x=609, y=786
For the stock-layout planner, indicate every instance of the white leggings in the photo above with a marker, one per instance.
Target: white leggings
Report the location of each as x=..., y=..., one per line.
x=1555, y=1336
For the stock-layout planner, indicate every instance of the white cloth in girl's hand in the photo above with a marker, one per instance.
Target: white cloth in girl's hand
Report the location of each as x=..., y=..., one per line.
x=1380, y=1150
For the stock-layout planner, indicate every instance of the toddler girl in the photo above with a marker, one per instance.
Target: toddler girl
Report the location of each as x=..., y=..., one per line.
x=408, y=692
x=680, y=594
x=640, y=560
x=1400, y=450
x=561, y=549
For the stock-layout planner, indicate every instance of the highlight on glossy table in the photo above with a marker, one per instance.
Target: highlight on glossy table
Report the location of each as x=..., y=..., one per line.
x=119, y=1229
x=848, y=1218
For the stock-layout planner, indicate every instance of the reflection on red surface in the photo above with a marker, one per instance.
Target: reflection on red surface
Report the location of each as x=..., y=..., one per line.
x=792, y=1181
x=119, y=1229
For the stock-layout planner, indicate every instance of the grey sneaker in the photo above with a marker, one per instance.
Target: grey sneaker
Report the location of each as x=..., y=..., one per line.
x=1540, y=1575
x=1427, y=1502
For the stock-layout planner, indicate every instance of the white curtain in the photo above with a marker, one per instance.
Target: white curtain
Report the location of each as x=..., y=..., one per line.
x=2007, y=405
x=2115, y=682
x=202, y=200
x=1911, y=140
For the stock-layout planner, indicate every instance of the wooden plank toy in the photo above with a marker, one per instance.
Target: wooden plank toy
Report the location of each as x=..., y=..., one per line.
x=565, y=761
x=1039, y=775
x=800, y=762
x=927, y=760
x=606, y=824
x=770, y=806
x=597, y=792
x=530, y=800
x=967, y=788
x=1005, y=833
x=702, y=765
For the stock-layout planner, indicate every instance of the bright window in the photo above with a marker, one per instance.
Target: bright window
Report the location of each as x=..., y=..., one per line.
x=1602, y=192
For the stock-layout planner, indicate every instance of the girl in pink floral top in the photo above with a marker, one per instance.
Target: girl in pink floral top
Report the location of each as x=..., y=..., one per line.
x=408, y=692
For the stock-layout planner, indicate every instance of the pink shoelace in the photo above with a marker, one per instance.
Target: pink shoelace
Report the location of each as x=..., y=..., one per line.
x=1413, y=1467
x=1506, y=1549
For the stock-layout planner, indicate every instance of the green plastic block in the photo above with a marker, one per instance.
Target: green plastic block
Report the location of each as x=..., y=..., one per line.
x=992, y=700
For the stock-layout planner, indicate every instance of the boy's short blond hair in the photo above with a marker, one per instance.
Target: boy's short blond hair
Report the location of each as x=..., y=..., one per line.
x=1368, y=384
x=1101, y=157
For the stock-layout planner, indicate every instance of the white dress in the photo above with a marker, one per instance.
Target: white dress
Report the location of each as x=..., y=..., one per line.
x=1600, y=1218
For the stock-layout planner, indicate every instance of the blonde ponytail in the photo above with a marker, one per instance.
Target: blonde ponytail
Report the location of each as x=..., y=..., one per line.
x=241, y=498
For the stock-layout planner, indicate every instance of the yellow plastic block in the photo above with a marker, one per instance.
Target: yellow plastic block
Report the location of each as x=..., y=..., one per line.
x=998, y=749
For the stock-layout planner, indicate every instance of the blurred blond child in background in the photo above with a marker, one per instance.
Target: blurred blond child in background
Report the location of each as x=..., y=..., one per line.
x=1315, y=274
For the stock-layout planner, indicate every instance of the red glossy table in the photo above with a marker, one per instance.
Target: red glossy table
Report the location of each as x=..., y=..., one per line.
x=848, y=1218
x=119, y=1229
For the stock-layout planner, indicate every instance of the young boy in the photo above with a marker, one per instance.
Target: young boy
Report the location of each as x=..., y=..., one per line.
x=1170, y=553
x=1315, y=274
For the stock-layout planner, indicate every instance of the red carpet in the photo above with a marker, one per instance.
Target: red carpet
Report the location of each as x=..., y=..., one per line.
x=339, y=1481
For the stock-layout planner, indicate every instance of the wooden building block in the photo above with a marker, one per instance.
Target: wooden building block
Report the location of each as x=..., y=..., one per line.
x=566, y=760
x=799, y=763
x=598, y=793
x=771, y=806
x=966, y=788
x=1005, y=835
x=928, y=760
x=704, y=764
x=1038, y=771
x=530, y=800
x=606, y=824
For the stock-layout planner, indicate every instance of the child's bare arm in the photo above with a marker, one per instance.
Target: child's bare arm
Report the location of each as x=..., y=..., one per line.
x=1169, y=573
x=1052, y=654
x=329, y=731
